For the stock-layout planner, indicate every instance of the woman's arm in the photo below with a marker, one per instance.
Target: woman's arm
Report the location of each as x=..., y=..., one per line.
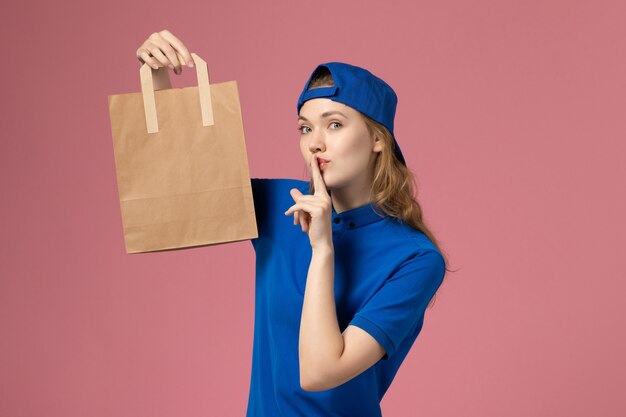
x=321, y=342
x=329, y=358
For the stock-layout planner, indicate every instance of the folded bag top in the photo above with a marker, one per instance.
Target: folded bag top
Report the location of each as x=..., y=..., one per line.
x=204, y=93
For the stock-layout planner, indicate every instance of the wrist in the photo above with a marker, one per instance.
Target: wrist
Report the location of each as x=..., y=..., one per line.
x=323, y=249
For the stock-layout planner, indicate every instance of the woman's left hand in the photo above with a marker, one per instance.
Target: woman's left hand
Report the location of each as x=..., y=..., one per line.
x=313, y=212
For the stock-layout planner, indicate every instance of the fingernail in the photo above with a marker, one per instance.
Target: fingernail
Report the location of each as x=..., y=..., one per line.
x=191, y=64
x=170, y=66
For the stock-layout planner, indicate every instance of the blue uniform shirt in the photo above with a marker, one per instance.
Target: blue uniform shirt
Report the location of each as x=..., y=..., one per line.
x=385, y=275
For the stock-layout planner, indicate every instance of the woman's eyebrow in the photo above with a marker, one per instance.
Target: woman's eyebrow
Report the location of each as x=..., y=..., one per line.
x=324, y=115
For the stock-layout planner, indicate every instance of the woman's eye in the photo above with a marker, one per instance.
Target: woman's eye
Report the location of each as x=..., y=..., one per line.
x=302, y=129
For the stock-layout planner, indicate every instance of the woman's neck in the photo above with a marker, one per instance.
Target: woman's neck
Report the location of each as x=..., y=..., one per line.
x=347, y=199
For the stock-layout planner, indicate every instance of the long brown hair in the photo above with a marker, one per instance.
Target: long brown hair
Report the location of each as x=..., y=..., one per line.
x=394, y=188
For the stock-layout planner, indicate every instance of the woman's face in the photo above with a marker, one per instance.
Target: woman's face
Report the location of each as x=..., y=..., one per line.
x=337, y=133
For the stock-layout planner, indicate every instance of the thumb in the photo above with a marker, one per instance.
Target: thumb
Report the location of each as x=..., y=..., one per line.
x=295, y=193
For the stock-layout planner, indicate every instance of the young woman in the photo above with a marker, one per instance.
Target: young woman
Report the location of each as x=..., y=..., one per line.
x=340, y=302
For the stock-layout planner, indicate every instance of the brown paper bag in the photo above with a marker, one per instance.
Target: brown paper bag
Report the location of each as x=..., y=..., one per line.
x=181, y=164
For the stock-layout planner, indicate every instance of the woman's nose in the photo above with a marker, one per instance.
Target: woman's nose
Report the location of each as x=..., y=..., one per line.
x=316, y=141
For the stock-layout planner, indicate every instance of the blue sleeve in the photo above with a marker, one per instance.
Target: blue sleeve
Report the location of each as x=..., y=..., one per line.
x=397, y=307
x=271, y=198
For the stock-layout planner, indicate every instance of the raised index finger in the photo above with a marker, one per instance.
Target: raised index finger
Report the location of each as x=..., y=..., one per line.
x=318, y=181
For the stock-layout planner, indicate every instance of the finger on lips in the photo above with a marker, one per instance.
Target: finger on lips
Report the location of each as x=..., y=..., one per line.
x=302, y=200
x=318, y=181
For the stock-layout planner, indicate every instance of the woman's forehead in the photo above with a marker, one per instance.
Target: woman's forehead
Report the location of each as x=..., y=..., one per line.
x=318, y=107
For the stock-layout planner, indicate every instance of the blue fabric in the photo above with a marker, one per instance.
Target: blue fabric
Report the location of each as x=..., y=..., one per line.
x=385, y=274
x=360, y=89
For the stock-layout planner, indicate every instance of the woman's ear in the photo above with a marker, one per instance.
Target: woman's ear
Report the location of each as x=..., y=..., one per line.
x=378, y=144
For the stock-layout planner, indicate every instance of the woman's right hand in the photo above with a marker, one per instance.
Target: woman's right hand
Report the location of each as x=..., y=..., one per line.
x=160, y=49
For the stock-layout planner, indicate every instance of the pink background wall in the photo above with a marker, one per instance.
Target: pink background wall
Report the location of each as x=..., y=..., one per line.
x=511, y=114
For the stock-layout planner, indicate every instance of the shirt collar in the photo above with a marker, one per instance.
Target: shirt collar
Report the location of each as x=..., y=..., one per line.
x=358, y=216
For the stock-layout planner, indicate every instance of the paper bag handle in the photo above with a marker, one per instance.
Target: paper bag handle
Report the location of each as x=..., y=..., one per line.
x=204, y=91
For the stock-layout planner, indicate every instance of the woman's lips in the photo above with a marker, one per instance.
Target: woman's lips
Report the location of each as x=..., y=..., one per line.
x=323, y=163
